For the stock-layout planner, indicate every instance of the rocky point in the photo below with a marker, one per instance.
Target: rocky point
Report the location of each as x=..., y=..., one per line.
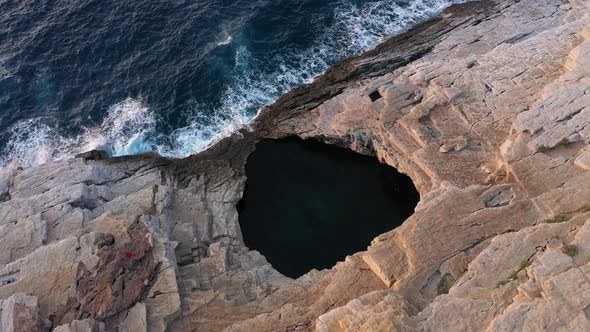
x=486, y=107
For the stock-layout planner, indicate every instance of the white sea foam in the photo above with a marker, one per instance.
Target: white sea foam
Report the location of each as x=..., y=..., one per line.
x=125, y=130
x=226, y=41
x=357, y=29
x=130, y=127
x=4, y=73
x=32, y=144
x=373, y=23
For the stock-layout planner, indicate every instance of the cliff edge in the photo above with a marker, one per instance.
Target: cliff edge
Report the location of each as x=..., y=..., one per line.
x=486, y=107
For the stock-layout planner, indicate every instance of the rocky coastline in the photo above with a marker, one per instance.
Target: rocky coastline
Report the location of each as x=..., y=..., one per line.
x=486, y=107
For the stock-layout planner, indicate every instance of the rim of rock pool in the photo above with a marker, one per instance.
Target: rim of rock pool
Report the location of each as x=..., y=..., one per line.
x=308, y=204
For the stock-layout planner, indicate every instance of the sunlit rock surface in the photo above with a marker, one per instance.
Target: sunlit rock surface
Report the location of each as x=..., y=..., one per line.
x=485, y=107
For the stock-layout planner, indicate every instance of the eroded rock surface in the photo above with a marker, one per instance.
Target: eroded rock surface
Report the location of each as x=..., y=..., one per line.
x=486, y=107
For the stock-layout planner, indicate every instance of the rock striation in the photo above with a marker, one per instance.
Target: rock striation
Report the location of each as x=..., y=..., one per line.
x=486, y=107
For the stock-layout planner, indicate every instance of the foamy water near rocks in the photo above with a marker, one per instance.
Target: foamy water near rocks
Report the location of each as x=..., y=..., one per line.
x=486, y=107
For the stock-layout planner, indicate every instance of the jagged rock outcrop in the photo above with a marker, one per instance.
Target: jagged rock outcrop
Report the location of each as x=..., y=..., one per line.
x=486, y=107
x=19, y=312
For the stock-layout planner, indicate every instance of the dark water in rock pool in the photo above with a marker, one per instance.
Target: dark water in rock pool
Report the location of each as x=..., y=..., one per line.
x=308, y=205
x=167, y=75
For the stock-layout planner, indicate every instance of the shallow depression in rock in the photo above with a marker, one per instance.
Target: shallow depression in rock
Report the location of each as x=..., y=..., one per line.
x=309, y=205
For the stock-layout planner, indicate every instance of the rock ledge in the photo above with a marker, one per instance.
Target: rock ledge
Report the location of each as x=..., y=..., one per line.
x=486, y=107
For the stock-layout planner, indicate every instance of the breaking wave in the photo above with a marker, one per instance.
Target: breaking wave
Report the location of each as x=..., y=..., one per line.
x=130, y=127
x=124, y=130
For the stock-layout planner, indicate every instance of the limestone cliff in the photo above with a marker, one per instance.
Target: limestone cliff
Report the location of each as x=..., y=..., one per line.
x=486, y=107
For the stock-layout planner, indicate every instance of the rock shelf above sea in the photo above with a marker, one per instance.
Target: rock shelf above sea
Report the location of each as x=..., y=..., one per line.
x=486, y=108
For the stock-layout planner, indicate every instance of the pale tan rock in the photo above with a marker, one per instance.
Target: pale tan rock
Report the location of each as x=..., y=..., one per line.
x=486, y=108
x=583, y=159
x=20, y=312
x=136, y=320
x=86, y=325
x=376, y=311
x=454, y=145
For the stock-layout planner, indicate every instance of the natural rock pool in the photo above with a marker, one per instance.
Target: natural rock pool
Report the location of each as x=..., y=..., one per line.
x=309, y=205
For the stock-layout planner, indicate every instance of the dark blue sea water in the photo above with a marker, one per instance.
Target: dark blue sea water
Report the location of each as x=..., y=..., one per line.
x=169, y=76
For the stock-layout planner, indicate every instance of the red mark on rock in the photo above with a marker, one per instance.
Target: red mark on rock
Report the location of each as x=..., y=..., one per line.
x=128, y=255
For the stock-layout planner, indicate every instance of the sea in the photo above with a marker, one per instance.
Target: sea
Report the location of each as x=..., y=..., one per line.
x=167, y=76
